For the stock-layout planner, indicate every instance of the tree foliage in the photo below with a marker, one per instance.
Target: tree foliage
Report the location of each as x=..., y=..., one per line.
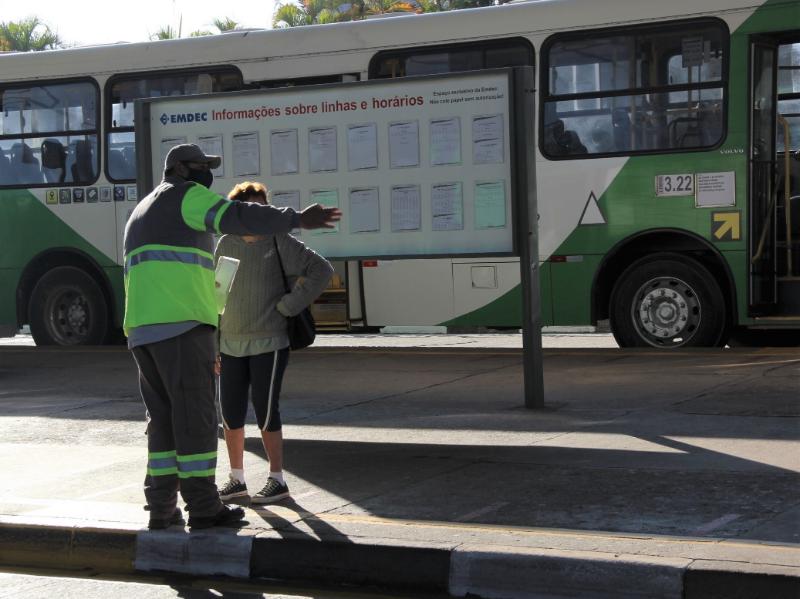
x=222, y=25
x=27, y=35
x=294, y=13
x=225, y=24
x=165, y=33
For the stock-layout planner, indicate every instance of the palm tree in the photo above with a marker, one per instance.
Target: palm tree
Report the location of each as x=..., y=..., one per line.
x=165, y=33
x=307, y=12
x=168, y=33
x=314, y=12
x=27, y=35
x=289, y=15
x=225, y=24
x=381, y=7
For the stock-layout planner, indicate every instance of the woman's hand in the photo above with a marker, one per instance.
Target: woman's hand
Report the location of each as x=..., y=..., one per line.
x=217, y=365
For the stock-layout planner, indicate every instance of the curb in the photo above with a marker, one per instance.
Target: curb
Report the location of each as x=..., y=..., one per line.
x=67, y=547
x=462, y=571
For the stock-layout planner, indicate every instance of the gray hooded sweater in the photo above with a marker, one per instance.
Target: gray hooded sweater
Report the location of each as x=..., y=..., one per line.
x=251, y=312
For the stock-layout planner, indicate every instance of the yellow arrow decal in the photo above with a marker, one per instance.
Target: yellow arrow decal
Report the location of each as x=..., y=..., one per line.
x=725, y=226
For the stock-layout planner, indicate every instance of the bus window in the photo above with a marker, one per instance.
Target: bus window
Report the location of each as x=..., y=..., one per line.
x=789, y=94
x=48, y=134
x=299, y=81
x=123, y=90
x=639, y=90
x=447, y=59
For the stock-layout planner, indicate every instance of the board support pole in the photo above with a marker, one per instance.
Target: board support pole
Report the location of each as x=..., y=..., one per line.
x=528, y=236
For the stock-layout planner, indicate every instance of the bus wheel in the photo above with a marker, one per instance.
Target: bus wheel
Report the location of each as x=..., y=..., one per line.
x=67, y=307
x=667, y=301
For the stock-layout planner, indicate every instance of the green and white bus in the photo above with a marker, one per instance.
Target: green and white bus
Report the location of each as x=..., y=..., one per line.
x=667, y=165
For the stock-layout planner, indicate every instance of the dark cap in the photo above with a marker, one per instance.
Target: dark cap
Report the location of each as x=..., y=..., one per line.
x=189, y=153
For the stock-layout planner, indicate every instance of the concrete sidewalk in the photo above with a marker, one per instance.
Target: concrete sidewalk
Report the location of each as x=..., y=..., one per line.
x=647, y=475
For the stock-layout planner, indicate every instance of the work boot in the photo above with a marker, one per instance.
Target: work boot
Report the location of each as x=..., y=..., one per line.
x=176, y=519
x=225, y=517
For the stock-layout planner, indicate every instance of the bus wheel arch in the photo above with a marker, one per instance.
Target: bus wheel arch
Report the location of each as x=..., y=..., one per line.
x=688, y=249
x=66, y=299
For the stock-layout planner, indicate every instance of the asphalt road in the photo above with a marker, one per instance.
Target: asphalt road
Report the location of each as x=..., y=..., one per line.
x=42, y=586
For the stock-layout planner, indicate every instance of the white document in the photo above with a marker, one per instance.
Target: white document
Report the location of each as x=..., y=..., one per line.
x=365, y=210
x=212, y=144
x=322, y=156
x=445, y=141
x=447, y=209
x=328, y=198
x=223, y=280
x=362, y=146
x=716, y=189
x=490, y=204
x=286, y=199
x=487, y=139
x=406, y=208
x=246, y=154
x=283, y=152
x=167, y=143
x=404, y=144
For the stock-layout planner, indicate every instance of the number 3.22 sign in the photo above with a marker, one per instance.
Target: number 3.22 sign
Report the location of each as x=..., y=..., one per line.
x=674, y=185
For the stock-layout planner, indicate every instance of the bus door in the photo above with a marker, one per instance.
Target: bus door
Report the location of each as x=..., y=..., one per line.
x=763, y=103
x=787, y=231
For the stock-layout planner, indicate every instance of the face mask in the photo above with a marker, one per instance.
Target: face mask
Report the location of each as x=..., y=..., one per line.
x=205, y=178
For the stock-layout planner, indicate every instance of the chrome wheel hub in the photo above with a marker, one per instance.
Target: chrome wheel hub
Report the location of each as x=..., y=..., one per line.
x=666, y=312
x=68, y=317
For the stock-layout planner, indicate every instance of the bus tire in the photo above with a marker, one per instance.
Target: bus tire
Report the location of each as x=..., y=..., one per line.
x=67, y=307
x=667, y=301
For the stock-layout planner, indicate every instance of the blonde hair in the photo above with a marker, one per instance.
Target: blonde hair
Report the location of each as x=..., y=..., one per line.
x=242, y=191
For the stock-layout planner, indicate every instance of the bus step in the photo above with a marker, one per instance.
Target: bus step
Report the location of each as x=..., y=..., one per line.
x=789, y=294
x=332, y=328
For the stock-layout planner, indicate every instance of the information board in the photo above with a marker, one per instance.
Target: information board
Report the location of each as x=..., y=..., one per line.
x=421, y=167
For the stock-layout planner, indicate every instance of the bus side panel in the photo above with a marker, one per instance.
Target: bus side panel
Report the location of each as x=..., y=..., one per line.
x=630, y=205
x=506, y=310
x=115, y=277
x=739, y=267
x=9, y=278
x=398, y=294
x=573, y=280
x=27, y=229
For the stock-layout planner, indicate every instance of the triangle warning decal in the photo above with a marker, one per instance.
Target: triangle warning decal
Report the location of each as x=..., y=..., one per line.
x=592, y=215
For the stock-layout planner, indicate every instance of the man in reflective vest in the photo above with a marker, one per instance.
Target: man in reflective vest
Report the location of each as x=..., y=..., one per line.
x=170, y=320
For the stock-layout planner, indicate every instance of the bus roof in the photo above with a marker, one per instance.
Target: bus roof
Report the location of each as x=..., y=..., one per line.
x=534, y=17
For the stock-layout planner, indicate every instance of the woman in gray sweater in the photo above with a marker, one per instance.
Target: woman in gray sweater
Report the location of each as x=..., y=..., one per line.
x=253, y=345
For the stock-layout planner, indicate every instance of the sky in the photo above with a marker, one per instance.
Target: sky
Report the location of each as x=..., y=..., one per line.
x=101, y=22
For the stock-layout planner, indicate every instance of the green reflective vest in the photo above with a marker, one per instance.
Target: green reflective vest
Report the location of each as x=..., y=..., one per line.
x=169, y=255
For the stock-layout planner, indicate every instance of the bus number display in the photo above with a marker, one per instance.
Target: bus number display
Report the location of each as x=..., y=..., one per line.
x=674, y=185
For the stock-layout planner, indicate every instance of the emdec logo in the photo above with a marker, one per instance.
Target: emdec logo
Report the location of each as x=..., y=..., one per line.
x=183, y=117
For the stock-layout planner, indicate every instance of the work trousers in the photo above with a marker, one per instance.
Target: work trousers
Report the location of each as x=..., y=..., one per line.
x=176, y=379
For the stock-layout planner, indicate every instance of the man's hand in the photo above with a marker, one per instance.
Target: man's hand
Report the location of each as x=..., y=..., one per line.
x=317, y=216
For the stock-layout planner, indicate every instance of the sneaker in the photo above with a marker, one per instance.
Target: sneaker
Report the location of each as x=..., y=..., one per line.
x=273, y=491
x=176, y=519
x=225, y=517
x=232, y=489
